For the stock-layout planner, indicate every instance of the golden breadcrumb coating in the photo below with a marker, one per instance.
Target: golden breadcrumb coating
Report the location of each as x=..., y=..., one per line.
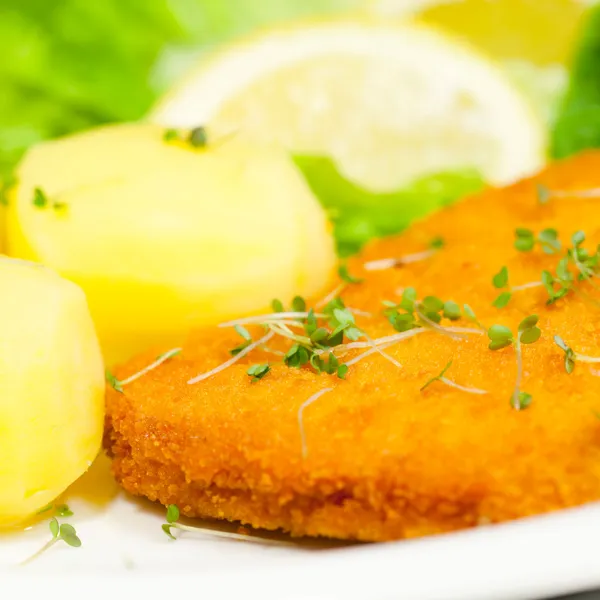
x=384, y=460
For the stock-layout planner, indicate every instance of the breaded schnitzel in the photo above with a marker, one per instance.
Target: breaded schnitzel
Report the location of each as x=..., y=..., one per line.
x=382, y=459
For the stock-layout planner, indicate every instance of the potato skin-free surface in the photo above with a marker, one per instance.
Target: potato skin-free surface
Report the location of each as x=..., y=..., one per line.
x=51, y=388
x=163, y=236
x=385, y=460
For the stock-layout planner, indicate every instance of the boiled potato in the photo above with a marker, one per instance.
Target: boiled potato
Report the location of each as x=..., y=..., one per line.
x=51, y=388
x=163, y=235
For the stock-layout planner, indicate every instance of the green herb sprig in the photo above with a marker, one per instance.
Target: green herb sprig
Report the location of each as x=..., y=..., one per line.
x=410, y=313
x=501, y=282
x=172, y=522
x=564, y=281
x=196, y=137
x=346, y=277
x=586, y=263
x=501, y=337
x=450, y=383
x=41, y=201
x=545, y=194
x=257, y=372
x=61, y=510
x=571, y=357
x=246, y=337
x=114, y=383
x=559, y=285
x=547, y=239
x=60, y=532
x=117, y=384
x=313, y=345
x=471, y=316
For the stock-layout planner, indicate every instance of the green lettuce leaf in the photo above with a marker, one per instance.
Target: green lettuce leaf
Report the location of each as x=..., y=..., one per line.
x=577, y=126
x=72, y=64
x=360, y=215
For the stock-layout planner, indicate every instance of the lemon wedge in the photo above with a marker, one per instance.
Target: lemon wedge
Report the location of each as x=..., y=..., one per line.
x=542, y=32
x=388, y=102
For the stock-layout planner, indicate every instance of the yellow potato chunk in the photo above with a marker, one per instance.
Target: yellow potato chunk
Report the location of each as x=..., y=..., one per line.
x=164, y=236
x=51, y=388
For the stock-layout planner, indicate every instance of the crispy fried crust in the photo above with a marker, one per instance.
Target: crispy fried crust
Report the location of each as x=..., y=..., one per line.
x=386, y=461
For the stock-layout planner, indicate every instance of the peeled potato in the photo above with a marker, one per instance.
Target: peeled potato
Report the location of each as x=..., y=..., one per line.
x=51, y=388
x=163, y=236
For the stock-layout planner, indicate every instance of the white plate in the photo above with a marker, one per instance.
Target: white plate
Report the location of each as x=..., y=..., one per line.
x=125, y=551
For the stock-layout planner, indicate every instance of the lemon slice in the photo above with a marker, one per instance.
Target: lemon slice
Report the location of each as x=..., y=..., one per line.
x=540, y=31
x=389, y=103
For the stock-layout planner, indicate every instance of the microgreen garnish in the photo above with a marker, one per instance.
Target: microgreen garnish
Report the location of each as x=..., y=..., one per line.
x=438, y=377
x=548, y=241
x=545, y=194
x=277, y=306
x=563, y=281
x=40, y=200
x=452, y=310
x=470, y=314
x=346, y=277
x=411, y=313
x=500, y=281
x=342, y=321
x=245, y=335
x=523, y=401
x=297, y=356
x=243, y=332
x=118, y=384
x=442, y=379
x=342, y=371
x=301, y=410
x=171, y=518
x=501, y=337
x=113, y=381
x=64, y=532
x=233, y=359
x=559, y=286
x=528, y=333
x=571, y=356
x=60, y=206
x=198, y=137
x=170, y=135
x=437, y=243
x=585, y=262
x=172, y=522
x=257, y=372
x=390, y=263
x=321, y=332
x=317, y=339
x=525, y=240
x=298, y=304
x=61, y=510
